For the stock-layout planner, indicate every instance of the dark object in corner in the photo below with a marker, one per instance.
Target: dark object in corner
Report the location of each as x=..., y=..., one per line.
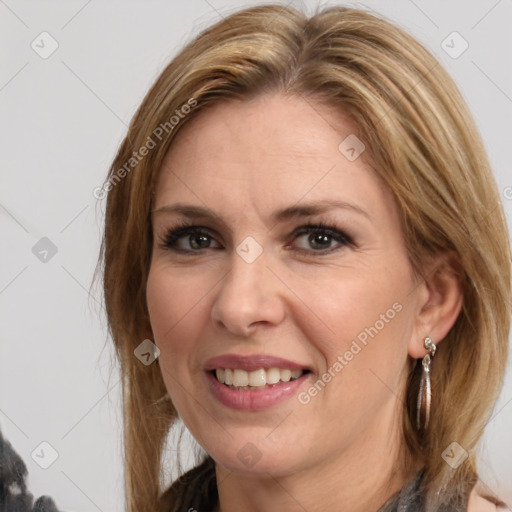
x=14, y=496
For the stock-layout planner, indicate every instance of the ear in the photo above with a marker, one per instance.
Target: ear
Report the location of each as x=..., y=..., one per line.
x=440, y=301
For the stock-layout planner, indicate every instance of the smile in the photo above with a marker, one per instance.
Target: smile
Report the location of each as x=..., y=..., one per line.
x=257, y=379
x=254, y=382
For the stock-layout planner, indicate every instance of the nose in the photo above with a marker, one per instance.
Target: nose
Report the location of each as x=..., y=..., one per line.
x=249, y=295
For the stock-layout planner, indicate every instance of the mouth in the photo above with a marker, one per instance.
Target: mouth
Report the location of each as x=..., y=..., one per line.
x=255, y=390
x=262, y=378
x=254, y=382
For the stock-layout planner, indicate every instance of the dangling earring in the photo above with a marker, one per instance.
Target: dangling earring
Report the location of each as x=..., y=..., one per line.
x=425, y=385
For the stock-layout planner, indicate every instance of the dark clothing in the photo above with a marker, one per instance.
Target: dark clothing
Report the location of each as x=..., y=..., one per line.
x=410, y=499
x=197, y=490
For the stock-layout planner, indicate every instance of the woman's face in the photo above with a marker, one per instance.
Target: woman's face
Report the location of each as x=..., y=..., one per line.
x=253, y=291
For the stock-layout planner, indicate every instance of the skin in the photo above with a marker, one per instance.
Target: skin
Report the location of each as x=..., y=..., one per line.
x=244, y=161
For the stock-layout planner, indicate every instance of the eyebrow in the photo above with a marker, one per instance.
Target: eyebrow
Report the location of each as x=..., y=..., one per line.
x=292, y=212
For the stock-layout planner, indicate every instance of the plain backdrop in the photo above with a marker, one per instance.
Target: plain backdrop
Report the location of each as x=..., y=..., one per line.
x=63, y=117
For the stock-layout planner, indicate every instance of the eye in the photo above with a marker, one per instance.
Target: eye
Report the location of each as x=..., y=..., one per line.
x=320, y=238
x=189, y=239
x=310, y=238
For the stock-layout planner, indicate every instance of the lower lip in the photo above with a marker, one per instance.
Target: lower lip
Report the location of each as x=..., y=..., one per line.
x=254, y=400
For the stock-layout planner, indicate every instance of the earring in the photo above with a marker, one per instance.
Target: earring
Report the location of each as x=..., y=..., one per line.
x=425, y=386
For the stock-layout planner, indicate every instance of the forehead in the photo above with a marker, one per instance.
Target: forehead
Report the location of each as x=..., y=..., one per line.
x=270, y=149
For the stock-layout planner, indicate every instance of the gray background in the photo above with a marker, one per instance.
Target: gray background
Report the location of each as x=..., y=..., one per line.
x=63, y=118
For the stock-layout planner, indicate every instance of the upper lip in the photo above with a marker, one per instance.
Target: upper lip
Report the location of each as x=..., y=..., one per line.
x=251, y=362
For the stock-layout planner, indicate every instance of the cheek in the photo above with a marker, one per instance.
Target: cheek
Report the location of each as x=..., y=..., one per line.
x=359, y=329
x=361, y=342
x=357, y=306
x=173, y=308
x=176, y=316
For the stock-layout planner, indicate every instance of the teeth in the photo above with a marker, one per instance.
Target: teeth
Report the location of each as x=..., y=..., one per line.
x=286, y=375
x=257, y=378
x=273, y=375
x=240, y=378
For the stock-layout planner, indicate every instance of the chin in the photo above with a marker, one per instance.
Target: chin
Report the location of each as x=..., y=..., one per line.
x=245, y=457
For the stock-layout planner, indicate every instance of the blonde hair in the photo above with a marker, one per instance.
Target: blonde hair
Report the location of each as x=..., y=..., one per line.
x=423, y=143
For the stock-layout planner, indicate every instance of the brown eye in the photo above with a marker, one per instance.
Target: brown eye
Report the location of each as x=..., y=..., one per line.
x=189, y=239
x=319, y=238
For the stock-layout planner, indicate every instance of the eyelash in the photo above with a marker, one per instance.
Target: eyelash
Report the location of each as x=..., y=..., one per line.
x=183, y=228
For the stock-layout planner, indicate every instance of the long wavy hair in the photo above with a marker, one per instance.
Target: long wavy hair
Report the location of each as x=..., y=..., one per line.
x=422, y=141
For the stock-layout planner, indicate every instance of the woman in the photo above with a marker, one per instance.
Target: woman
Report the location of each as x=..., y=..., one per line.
x=303, y=226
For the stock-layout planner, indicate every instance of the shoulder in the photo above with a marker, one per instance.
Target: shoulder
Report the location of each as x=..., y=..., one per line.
x=482, y=501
